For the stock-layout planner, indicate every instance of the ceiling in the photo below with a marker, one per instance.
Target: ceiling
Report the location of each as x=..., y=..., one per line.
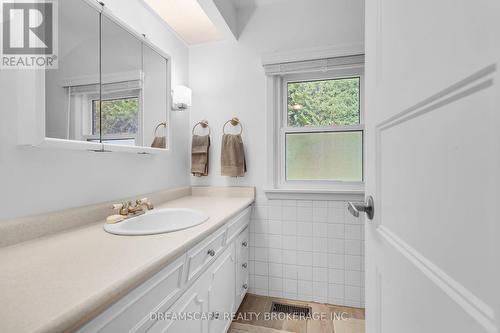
x=202, y=21
x=187, y=19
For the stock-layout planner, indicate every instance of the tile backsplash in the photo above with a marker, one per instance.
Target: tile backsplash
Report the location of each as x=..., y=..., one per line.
x=307, y=250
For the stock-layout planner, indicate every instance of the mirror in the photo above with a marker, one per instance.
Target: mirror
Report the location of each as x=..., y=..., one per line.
x=112, y=86
x=77, y=79
x=155, y=100
x=121, y=90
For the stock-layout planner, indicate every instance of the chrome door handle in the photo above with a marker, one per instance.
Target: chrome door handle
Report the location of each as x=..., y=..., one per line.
x=368, y=207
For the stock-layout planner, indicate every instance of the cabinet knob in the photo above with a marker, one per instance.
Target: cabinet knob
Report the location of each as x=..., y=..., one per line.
x=245, y=286
x=244, y=244
x=244, y=265
x=211, y=253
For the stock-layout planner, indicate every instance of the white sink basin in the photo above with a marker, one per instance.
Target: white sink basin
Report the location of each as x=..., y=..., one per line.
x=158, y=221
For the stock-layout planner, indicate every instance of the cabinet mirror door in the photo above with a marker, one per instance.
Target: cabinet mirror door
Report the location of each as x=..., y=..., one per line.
x=120, y=114
x=70, y=89
x=111, y=87
x=155, y=98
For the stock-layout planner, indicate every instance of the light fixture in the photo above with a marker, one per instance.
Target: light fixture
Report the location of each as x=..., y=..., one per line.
x=181, y=98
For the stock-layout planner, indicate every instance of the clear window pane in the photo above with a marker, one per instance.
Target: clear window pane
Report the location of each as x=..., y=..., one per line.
x=325, y=156
x=324, y=103
x=119, y=116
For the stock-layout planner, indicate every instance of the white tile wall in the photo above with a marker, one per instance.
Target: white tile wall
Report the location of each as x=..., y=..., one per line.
x=307, y=250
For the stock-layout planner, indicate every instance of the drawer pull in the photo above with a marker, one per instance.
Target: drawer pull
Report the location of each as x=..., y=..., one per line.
x=245, y=286
x=244, y=265
x=211, y=253
x=244, y=244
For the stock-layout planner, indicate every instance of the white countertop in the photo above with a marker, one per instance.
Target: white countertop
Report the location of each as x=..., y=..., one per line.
x=58, y=282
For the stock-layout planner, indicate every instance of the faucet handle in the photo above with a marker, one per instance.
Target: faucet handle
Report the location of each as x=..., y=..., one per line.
x=145, y=201
x=122, y=207
x=117, y=206
x=141, y=201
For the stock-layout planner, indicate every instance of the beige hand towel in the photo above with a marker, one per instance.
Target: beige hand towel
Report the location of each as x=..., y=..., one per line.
x=159, y=142
x=233, y=163
x=200, y=149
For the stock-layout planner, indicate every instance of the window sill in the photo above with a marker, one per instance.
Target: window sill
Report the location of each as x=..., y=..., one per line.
x=315, y=194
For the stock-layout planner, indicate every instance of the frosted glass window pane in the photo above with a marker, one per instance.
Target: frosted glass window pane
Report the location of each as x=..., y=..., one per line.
x=324, y=156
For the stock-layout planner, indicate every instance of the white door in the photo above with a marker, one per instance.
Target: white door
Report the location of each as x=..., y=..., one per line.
x=433, y=166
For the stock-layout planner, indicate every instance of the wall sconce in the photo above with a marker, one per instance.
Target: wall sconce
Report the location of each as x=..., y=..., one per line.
x=181, y=98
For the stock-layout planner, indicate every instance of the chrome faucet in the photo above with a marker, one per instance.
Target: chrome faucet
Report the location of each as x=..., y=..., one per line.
x=130, y=209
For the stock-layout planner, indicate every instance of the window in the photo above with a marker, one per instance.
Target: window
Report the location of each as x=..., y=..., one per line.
x=122, y=114
x=322, y=128
x=119, y=120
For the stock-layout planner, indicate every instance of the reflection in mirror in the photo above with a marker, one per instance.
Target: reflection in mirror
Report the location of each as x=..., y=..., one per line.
x=122, y=108
x=68, y=88
x=155, y=98
x=111, y=86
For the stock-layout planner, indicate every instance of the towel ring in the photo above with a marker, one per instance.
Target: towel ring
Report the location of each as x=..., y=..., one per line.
x=235, y=122
x=164, y=124
x=203, y=124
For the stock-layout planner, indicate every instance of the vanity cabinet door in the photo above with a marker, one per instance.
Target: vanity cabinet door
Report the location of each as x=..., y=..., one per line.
x=221, y=294
x=194, y=302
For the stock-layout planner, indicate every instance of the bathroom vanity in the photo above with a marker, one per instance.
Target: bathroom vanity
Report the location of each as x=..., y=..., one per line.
x=208, y=281
x=84, y=279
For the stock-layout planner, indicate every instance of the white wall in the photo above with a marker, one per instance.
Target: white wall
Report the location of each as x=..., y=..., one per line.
x=33, y=181
x=228, y=80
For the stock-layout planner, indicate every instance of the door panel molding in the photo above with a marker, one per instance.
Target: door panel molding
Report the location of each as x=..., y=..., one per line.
x=455, y=92
x=446, y=96
x=470, y=303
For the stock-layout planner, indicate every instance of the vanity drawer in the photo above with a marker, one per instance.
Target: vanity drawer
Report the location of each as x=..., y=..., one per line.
x=238, y=224
x=132, y=312
x=199, y=257
x=242, y=245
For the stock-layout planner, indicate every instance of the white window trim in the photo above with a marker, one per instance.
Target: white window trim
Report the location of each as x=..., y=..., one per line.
x=277, y=77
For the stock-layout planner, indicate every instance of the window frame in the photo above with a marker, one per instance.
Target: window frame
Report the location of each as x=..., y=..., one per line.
x=283, y=129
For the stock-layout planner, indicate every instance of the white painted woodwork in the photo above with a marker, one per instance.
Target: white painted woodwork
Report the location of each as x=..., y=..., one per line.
x=133, y=310
x=194, y=300
x=199, y=257
x=278, y=74
x=195, y=282
x=235, y=227
x=242, y=266
x=221, y=297
x=433, y=152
